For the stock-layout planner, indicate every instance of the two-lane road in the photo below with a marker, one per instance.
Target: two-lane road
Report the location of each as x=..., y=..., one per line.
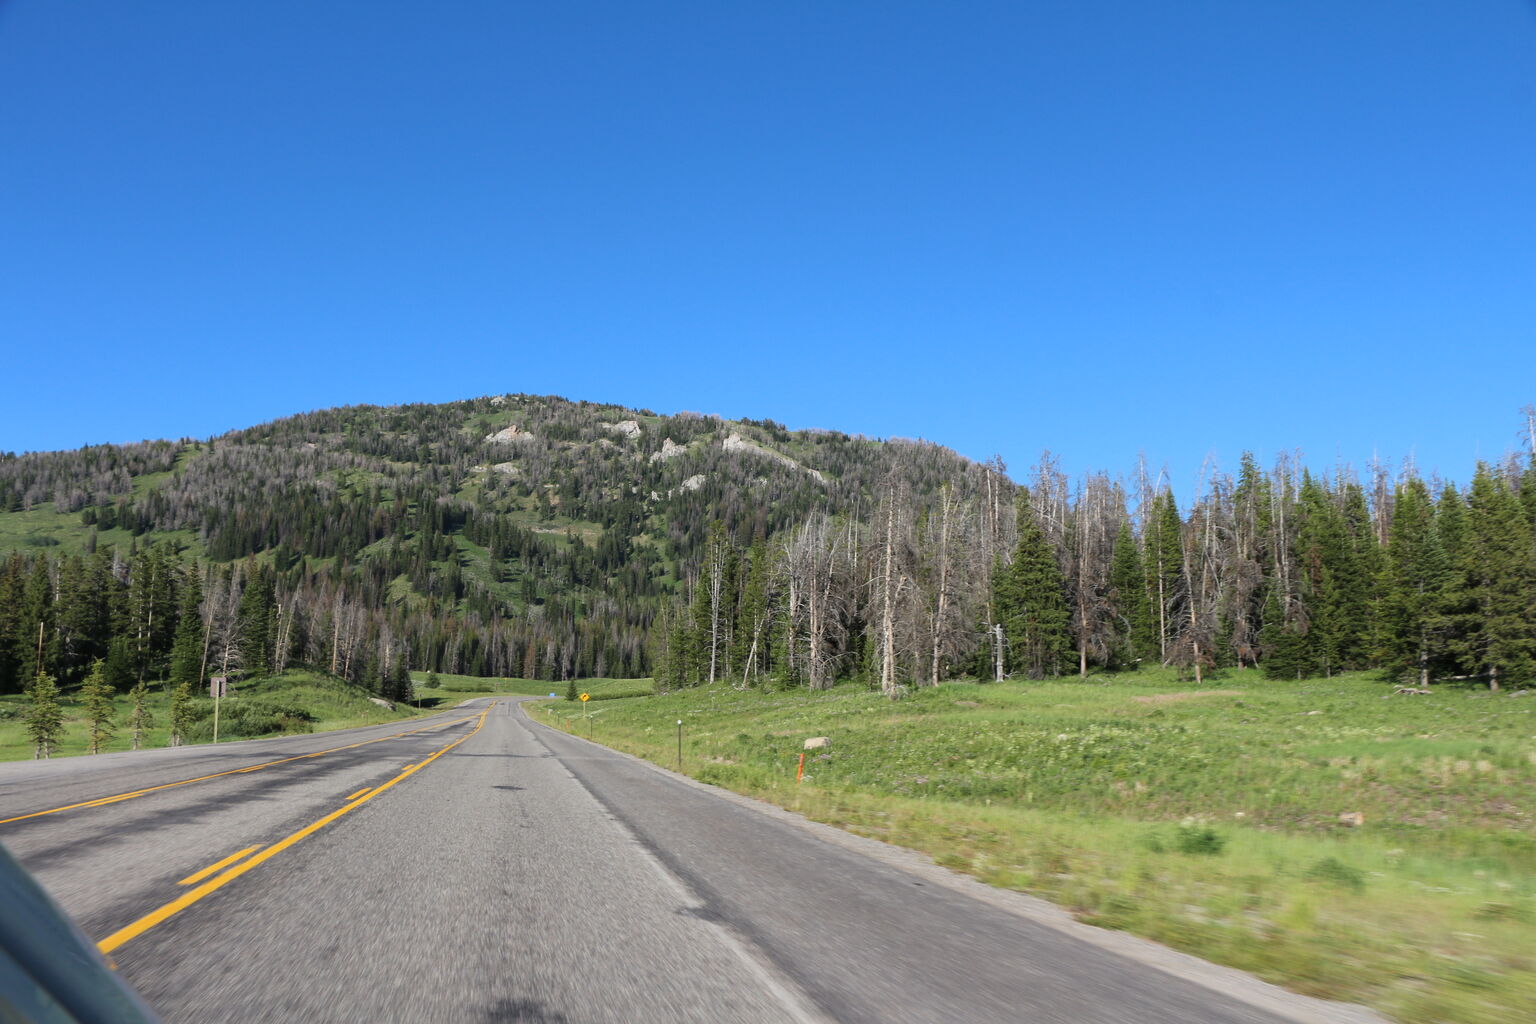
x=476, y=866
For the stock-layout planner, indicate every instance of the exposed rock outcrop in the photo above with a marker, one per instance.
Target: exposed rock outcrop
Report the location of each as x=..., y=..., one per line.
x=509, y=435
x=629, y=428
x=670, y=449
x=736, y=443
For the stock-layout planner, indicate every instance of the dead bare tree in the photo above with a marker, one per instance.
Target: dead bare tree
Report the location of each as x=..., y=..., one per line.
x=893, y=582
x=953, y=579
x=817, y=562
x=1090, y=542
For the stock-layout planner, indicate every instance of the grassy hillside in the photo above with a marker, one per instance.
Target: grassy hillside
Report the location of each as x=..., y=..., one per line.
x=1207, y=819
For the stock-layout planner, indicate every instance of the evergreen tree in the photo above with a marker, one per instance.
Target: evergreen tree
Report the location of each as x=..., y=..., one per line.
x=1500, y=565
x=1031, y=602
x=1413, y=584
x=255, y=621
x=1322, y=630
x=1284, y=644
x=12, y=584
x=571, y=691
x=186, y=665
x=1457, y=611
x=401, y=688
x=182, y=713
x=753, y=618
x=96, y=694
x=37, y=640
x=1128, y=593
x=1358, y=600
x=140, y=717
x=1164, y=562
x=44, y=715
x=1528, y=491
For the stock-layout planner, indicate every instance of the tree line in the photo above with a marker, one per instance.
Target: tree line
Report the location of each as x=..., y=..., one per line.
x=1281, y=570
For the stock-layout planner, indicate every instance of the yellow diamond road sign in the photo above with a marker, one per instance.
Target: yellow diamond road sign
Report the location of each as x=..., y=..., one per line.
x=586, y=697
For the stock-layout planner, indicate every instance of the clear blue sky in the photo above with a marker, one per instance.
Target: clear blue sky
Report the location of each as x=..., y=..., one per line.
x=1095, y=227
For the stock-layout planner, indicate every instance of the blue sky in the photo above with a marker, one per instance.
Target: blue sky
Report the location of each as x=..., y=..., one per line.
x=1094, y=227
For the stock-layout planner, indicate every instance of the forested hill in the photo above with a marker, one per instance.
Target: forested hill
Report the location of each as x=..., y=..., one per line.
x=508, y=535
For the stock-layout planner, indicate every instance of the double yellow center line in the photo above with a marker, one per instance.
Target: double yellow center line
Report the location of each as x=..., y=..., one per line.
x=103, y=801
x=245, y=863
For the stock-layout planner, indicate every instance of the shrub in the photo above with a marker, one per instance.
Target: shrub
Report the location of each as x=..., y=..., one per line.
x=1199, y=839
x=240, y=719
x=1336, y=872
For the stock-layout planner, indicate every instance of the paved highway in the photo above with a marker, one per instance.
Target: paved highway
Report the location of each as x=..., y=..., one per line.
x=476, y=866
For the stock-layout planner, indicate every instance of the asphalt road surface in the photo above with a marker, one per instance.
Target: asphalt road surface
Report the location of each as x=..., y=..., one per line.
x=476, y=866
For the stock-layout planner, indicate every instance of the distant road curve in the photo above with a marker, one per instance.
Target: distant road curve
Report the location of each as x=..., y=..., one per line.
x=477, y=866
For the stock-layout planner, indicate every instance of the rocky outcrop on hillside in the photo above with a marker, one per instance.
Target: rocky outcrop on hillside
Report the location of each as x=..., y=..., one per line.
x=508, y=435
x=736, y=443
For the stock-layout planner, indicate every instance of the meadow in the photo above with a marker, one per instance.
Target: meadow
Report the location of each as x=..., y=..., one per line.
x=294, y=702
x=1328, y=835
x=452, y=689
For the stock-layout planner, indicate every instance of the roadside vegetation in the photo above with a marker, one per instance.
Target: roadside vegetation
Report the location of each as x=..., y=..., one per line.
x=1330, y=835
x=295, y=701
x=435, y=689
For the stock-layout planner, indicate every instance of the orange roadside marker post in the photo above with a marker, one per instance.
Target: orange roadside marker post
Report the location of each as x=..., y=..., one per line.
x=800, y=771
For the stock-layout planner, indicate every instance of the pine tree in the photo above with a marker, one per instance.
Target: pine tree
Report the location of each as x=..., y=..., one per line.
x=1164, y=563
x=1358, y=599
x=96, y=694
x=1412, y=587
x=1323, y=583
x=571, y=691
x=1282, y=641
x=254, y=621
x=401, y=689
x=1031, y=602
x=37, y=641
x=1457, y=612
x=187, y=647
x=1500, y=563
x=1528, y=491
x=1128, y=592
x=182, y=713
x=140, y=718
x=12, y=584
x=44, y=715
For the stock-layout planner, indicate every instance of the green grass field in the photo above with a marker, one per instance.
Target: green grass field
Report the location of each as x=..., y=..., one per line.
x=1206, y=819
x=452, y=689
x=296, y=701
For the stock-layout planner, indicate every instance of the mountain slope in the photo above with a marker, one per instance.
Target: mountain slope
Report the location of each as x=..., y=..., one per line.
x=512, y=534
